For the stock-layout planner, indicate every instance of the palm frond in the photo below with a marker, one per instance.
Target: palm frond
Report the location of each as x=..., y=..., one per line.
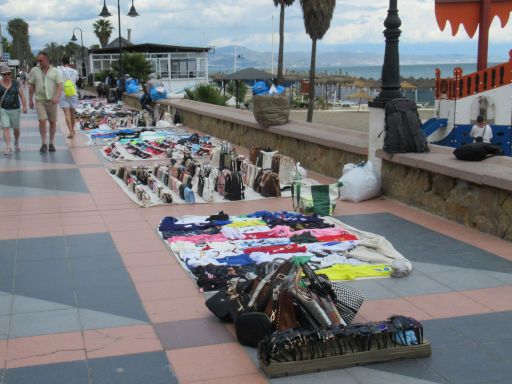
x=317, y=16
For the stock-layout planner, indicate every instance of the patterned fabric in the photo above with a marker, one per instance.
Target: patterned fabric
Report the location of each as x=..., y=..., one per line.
x=348, y=300
x=11, y=100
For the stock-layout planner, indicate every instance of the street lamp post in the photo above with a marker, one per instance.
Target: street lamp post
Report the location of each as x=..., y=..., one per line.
x=131, y=13
x=73, y=39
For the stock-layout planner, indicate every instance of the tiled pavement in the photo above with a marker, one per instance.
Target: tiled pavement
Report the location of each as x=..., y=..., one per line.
x=89, y=293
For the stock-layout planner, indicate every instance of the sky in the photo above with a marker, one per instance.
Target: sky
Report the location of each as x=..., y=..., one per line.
x=356, y=25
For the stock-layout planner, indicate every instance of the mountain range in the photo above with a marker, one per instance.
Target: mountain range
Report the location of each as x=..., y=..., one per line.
x=222, y=59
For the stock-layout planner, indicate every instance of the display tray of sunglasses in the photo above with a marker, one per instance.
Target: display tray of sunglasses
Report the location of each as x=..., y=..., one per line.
x=374, y=355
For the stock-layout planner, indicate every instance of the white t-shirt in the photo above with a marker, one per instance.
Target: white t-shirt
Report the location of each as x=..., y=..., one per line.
x=68, y=73
x=484, y=132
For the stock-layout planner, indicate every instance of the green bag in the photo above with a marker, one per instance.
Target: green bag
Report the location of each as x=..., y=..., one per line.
x=320, y=199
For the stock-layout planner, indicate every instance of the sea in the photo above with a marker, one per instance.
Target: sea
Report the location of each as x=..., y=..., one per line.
x=417, y=71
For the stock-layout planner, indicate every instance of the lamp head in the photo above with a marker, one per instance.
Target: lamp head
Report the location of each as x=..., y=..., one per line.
x=74, y=37
x=133, y=12
x=104, y=11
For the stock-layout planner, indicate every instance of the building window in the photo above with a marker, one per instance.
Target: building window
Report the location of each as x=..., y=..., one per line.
x=183, y=68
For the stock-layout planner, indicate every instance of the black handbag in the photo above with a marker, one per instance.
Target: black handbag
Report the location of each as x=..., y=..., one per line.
x=251, y=327
x=221, y=306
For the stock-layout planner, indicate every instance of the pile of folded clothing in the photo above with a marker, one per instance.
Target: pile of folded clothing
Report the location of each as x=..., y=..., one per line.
x=217, y=248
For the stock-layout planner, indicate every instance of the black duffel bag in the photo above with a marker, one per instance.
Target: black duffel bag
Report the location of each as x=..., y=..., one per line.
x=477, y=151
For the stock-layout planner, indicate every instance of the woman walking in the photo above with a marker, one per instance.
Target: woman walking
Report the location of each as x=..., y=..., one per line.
x=10, y=95
x=69, y=97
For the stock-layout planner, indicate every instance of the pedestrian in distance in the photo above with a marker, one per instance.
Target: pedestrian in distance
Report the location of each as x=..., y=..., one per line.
x=69, y=96
x=46, y=86
x=10, y=108
x=481, y=131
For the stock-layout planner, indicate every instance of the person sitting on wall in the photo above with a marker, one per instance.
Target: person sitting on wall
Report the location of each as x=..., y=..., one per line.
x=481, y=131
x=145, y=102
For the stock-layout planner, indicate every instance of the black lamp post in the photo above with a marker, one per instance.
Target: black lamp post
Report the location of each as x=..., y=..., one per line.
x=106, y=13
x=390, y=88
x=73, y=39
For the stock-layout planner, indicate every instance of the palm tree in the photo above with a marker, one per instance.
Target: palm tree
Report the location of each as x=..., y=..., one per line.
x=283, y=4
x=317, y=20
x=103, y=30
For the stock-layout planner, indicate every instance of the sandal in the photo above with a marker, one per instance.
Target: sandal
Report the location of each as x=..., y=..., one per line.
x=17, y=147
x=7, y=151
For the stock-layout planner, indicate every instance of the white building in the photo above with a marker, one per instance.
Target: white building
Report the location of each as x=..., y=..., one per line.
x=177, y=67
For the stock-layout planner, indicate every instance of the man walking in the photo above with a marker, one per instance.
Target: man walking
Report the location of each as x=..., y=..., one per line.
x=46, y=83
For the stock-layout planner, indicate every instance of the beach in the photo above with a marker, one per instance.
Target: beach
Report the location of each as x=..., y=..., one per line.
x=348, y=119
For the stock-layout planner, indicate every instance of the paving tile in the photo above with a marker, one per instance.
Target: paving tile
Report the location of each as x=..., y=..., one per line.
x=3, y=356
x=95, y=263
x=148, y=259
x=401, y=372
x=372, y=289
x=465, y=279
x=246, y=379
x=160, y=311
x=445, y=333
x=211, y=362
x=55, y=294
x=34, y=275
x=382, y=309
x=121, y=341
x=90, y=319
x=6, y=276
x=497, y=299
x=69, y=373
x=192, y=333
x=152, y=367
x=23, y=304
x=130, y=308
x=158, y=273
x=447, y=305
x=44, y=323
x=45, y=349
x=103, y=278
x=416, y=283
x=160, y=290
x=468, y=365
x=90, y=245
x=44, y=248
x=5, y=304
x=4, y=326
x=7, y=251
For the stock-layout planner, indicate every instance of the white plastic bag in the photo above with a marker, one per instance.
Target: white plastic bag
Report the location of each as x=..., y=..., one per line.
x=360, y=182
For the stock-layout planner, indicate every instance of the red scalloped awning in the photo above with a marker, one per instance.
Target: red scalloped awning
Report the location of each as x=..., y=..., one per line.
x=467, y=13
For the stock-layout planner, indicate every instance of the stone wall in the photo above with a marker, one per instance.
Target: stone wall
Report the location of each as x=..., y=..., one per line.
x=485, y=208
x=318, y=158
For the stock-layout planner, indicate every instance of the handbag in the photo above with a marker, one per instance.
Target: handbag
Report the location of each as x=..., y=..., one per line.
x=319, y=199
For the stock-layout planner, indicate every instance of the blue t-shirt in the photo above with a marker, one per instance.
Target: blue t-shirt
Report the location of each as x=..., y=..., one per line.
x=12, y=99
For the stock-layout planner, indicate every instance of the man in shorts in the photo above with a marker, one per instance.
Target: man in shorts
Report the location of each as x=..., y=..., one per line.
x=46, y=83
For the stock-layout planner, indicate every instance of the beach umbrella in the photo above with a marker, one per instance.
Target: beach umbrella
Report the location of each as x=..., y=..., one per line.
x=360, y=84
x=405, y=85
x=360, y=95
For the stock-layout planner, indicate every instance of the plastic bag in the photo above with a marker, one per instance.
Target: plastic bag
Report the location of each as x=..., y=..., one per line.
x=260, y=88
x=132, y=86
x=360, y=182
x=158, y=93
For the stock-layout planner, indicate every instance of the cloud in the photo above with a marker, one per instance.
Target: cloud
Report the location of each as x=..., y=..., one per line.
x=228, y=22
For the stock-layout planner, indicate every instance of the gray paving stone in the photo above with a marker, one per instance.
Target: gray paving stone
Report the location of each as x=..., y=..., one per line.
x=131, y=308
x=103, y=278
x=91, y=245
x=429, y=269
x=338, y=376
x=44, y=323
x=7, y=251
x=372, y=289
x=69, y=373
x=45, y=248
x=5, y=304
x=192, y=333
x=33, y=275
x=4, y=327
x=6, y=276
x=90, y=319
x=466, y=279
x=421, y=244
x=55, y=294
x=69, y=180
x=372, y=375
x=468, y=365
x=151, y=368
x=416, y=283
x=95, y=263
x=23, y=304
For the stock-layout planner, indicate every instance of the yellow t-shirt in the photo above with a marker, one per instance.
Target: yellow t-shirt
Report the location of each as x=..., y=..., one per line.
x=351, y=272
x=45, y=85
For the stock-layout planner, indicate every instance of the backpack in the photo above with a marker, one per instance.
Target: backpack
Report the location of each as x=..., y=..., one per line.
x=476, y=151
x=221, y=181
x=69, y=88
x=403, y=128
x=269, y=184
x=233, y=186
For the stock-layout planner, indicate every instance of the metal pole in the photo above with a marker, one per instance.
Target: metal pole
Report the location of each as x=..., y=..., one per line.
x=483, y=34
x=120, y=45
x=390, y=88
